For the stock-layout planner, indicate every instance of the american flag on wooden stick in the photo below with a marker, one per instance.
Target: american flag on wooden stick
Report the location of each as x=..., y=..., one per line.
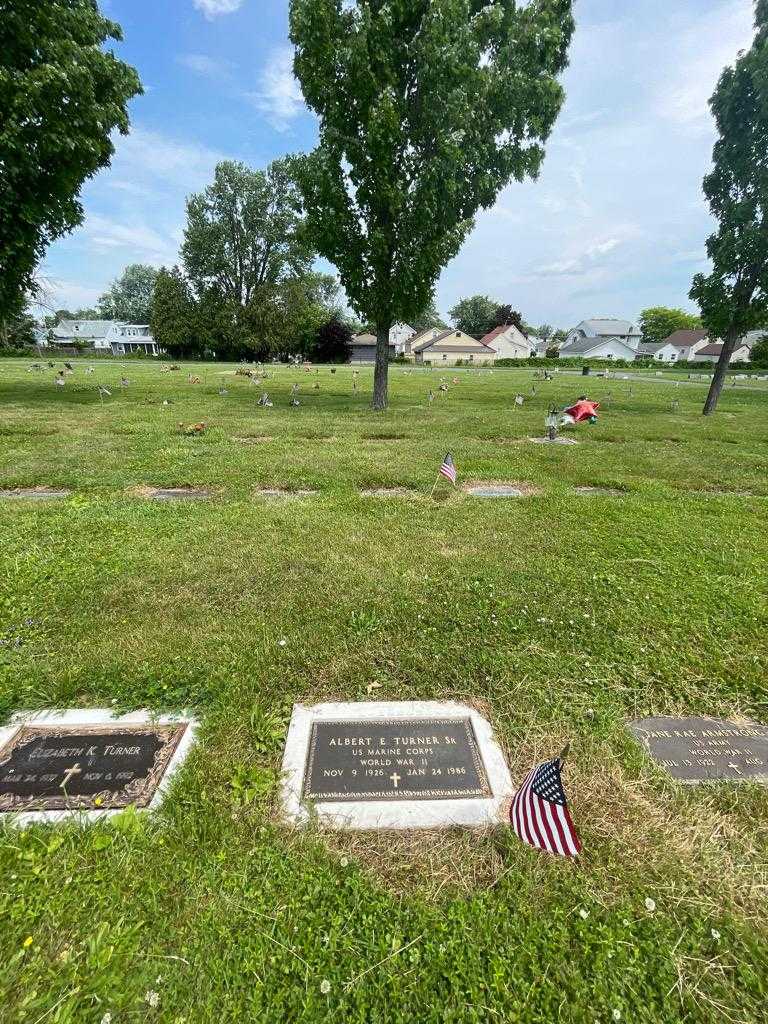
x=540, y=814
x=448, y=468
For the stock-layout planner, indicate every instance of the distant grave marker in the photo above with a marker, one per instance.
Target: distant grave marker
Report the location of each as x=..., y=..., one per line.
x=54, y=765
x=34, y=493
x=178, y=493
x=283, y=492
x=399, y=764
x=512, y=489
x=695, y=750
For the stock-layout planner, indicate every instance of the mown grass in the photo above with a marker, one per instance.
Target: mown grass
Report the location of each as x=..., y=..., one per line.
x=560, y=615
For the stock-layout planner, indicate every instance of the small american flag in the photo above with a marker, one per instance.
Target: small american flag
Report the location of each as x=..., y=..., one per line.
x=448, y=468
x=539, y=813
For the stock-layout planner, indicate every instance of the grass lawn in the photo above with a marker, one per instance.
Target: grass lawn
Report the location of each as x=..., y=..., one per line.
x=560, y=615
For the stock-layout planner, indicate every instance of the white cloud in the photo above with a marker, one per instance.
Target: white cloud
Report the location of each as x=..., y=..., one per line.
x=703, y=50
x=204, y=65
x=213, y=8
x=279, y=97
x=584, y=262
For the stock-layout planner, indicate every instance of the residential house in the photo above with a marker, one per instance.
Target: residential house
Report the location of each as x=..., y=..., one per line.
x=418, y=338
x=661, y=352
x=105, y=336
x=399, y=336
x=711, y=353
x=604, y=338
x=682, y=346
x=450, y=347
x=751, y=338
x=134, y=338
x=509, y=342
x=364, y=349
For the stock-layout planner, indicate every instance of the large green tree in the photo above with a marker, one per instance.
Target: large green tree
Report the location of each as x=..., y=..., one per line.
x=429, y=316
x=61, y=97
x=475, y=315
x=734, y=297
x=427, y=109
x=244, y=232
x=658, y=322
x=174, y=316
x=130, y=296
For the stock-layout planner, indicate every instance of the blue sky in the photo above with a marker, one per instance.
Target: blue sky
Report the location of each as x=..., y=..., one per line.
x=615, y=223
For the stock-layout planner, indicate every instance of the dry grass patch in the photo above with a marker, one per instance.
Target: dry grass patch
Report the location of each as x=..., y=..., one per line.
x=389, y=492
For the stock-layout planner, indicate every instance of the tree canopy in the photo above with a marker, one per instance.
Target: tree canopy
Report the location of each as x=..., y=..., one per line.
x=130, y=296
x=427, y=109
x=734, y=297
x=475, y=315
x=658, y=322
x=245, y=231
x=61, y=97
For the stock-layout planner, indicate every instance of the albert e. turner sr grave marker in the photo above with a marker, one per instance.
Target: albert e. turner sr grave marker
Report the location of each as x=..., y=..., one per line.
x=705, y=749
x=87, y=762
x=401, y=764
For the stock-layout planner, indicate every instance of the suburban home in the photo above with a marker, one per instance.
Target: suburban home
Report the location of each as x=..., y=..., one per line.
x=602, y=338
x=134, y=338
x=450, y=347
x=711, y=353
x=509, y=342
x=364, y=348
x=661, y=351
x=106, y=336
x=682, y=346
x=399, y=336
x=418, y=338
x=752, y=337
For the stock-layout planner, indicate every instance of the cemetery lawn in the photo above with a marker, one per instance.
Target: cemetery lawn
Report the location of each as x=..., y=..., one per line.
x=559, y=615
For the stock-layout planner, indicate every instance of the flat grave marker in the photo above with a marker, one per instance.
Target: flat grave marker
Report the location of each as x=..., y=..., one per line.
x=694, y=750
x=393, y=765
x=88, y=763
x=34, y=493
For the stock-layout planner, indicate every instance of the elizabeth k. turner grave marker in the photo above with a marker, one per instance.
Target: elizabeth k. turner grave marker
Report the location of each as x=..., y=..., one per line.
x=88, y=763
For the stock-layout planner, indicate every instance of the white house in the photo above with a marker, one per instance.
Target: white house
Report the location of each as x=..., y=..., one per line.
x=107, y=336
x=711, y=353
x=682, y=346
x=661, y=351
x=134, y=338
x=509, y=342
x=604, y=338
x=399, y=335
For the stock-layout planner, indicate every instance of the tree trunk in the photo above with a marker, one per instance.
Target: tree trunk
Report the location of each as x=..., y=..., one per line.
x=382, y=367
x=720, y=371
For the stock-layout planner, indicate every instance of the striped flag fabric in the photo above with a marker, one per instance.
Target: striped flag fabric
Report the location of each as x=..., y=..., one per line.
x=448, y=468
x=539, y=812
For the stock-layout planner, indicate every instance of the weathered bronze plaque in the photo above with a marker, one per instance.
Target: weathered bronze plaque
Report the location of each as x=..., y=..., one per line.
x=705, y=749
x=54, y=768
x=397, y=759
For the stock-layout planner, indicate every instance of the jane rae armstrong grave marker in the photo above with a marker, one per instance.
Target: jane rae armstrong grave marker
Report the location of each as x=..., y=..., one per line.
x=705, y=749
x=87, y=762
x=404, y=764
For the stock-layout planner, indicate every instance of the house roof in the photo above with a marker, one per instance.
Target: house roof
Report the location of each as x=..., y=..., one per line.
x=611, y=327
x=497, y=331
x=364, y=339
x=583, y=345
x=652, y=349
x=752, y=337
x=711, y=350
x=441, y=341
x=684, y=339
x=85, y=328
